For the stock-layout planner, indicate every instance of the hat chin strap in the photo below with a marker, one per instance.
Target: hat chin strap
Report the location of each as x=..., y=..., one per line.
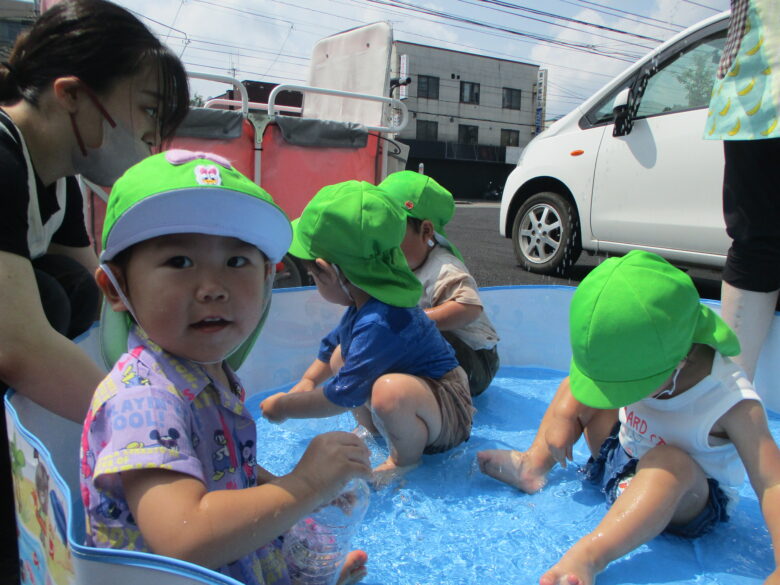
x=110, y=274
x=344, y=288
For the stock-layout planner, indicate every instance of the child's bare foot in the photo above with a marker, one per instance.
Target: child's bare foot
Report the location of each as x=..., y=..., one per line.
x=354, y=568
x=570, y=570
x=515, y=468
x=388, y=471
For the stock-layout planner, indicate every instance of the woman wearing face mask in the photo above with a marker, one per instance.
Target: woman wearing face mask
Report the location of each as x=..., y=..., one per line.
x=88, y=89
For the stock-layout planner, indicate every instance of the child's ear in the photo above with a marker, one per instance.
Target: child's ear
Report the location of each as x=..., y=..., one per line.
x=426, y=229
x=108, y=288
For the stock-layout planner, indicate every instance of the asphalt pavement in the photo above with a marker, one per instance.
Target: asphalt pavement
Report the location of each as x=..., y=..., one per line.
x=491, y=259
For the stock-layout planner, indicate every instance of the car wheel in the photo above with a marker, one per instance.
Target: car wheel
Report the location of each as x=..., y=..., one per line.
x=290, y=274
x=546, y=234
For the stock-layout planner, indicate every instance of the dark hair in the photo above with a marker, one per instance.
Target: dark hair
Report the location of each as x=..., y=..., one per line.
x=415, y=223
x=100, y=43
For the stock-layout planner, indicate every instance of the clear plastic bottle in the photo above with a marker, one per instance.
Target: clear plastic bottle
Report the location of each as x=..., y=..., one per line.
x=315, y=548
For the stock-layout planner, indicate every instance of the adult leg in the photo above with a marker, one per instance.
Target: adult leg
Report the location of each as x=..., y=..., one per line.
x=78, y=286
x=669, y=488
x=563, y=423
x=407, y=413
x=56, y=305
x=751, y=277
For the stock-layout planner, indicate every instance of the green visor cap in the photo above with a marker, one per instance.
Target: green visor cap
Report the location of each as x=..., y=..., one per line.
x=179, y=192
x=355, y=226
x=631, y=321
x=423, y=198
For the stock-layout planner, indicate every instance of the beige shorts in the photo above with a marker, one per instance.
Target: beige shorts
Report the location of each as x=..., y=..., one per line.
x=454, y=398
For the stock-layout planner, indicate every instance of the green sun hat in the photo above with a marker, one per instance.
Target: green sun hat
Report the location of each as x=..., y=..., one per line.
x=180, y=191
x=177, y=192
x=355, y=226
x=631, y=321
x=423, y=198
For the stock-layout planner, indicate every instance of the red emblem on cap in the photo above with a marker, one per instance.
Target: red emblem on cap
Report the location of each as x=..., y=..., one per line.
x=409, y=205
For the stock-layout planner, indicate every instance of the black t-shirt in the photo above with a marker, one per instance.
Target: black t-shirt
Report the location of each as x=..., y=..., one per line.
x=15, y=194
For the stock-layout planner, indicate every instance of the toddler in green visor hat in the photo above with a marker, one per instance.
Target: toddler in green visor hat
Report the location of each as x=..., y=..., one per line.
x=189, y=249
x=385, y=361
x=671, y=422
x=450, y=294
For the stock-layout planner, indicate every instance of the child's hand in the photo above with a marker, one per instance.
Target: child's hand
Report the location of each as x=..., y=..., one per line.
x=304, y=385
x=331, y=460
x=272, y=408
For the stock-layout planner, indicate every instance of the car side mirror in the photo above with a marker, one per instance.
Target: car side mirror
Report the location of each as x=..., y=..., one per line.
x=621, y=113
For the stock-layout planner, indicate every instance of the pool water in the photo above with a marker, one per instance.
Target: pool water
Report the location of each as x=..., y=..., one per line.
x=447, y=523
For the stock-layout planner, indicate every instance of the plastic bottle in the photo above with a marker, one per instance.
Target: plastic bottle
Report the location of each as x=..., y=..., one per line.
x=315, y=548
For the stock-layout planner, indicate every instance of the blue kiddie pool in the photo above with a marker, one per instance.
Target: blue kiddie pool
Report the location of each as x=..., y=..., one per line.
x=444, y=522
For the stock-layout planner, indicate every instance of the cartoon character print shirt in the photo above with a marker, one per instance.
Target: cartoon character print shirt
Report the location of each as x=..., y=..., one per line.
x=154, y=410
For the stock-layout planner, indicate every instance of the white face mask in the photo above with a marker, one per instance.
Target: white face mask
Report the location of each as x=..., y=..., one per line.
x=118, y=151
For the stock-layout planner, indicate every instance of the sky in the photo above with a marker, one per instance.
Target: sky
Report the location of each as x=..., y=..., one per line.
x=582, y=43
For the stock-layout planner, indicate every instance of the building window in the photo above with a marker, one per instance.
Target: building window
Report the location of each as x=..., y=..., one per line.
x=468, y=134
x=428, y=87
x=510, y=137
x=511, y=98
x=469, y=92
x=427, y=130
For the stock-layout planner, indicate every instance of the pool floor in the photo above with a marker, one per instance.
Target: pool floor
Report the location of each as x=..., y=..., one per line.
x=447, y=523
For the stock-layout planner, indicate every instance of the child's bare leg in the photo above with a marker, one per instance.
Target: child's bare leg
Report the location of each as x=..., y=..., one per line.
x=669, y=487
x=354, y=568
x=363, y=418
x=407, y=413
x=562, y=423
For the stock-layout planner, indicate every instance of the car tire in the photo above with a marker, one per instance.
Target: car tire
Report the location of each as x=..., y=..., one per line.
x=546, y=234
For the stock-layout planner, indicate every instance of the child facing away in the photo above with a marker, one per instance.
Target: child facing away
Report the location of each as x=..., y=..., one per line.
x=671, y=422
x=168, y=448
x=450, y=296
x=385, y=360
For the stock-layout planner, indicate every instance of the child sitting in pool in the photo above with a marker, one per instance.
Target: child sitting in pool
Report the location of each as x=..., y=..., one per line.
x=386, y=360
x=450, y=296
x=670, y=421
x=168, y=447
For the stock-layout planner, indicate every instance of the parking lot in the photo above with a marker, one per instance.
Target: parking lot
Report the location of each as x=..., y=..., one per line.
x=491, y=260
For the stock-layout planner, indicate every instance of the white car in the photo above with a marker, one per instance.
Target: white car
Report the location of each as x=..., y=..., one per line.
x=629, y=168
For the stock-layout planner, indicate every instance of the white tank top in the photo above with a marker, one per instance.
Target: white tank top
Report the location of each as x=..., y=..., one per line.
x=686, y=420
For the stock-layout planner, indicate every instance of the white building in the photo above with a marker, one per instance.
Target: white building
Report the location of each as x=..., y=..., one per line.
x=469, y=114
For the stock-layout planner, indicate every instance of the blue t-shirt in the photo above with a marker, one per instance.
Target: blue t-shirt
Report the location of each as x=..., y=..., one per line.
x=379, y=339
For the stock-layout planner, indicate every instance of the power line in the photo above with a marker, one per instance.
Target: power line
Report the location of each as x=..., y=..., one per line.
x=701, y=5
x=582, y=47
x=641, y=18
x=216, y=47
x=203, y=40
x=568, y=19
